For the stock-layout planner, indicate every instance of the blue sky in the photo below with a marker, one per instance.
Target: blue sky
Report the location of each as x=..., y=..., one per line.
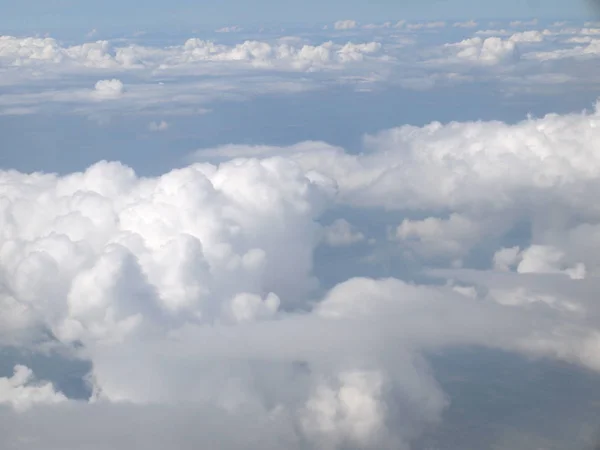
x=49, y=14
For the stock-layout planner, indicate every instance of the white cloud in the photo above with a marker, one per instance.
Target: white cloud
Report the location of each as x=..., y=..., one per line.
x=467, y=24
x=547, y=259
x=200, y=282
x=591, y=50
x=458, y=168
x=22, y=393
x=109, y=89
x=345, y=25
x=441, y=166
x=230, y=29
x=103, y=55
x=354, y=409
x=523, y=23
x=527, y=36
x=501, y=32
x=169, y=243
x=426, y=25
x=489, y=51
x=377, y=26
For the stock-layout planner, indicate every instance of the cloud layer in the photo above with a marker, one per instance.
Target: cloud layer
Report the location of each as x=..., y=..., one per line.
x=291, y=296
x=196, y=290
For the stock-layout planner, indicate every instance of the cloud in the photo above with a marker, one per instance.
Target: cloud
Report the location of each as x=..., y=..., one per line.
x=20, y=392
x=109, y=89
x=438, y=238
x=467, y=24
x=527, y=36
x=345, y=25
x=489, y=51
x=376, y=26
x=113, y=245
x=537, y=259
x=448, y=174
x=229, y=29
x=184, y=77
x=523, y=23
x=342, y=233
x=158, y=126
x=104, y=55
x=591, y=50
x=501, y=32
x=231, y=72
x=194, y=294
x=425, y=25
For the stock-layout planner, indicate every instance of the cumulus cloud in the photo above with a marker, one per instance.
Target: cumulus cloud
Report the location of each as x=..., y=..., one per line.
x=194, y=293
x=282, y=55
x=107, y=263
x=104, y=55
x=528, y=169
x=345, y=25
x=219, y=71
x=109, y=89
x=527, y=36
x=21, y=392
x=488, y=51
x=537, y=259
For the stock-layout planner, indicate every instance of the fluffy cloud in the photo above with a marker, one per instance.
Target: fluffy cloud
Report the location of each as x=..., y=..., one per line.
x=201, y=71
x=345, y=25
x=118, y=239
x=280, y=56
x=489, y=51
x=21, y=392
x=108, y=89
x=194, y=294
x=527, y=36
x=198, y=72
x=104, y=55
x=33, y=51
x=537, y=259
x=529, y=169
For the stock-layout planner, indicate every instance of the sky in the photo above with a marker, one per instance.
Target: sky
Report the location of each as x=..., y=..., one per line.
x=77, y=14
x=374, y=228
